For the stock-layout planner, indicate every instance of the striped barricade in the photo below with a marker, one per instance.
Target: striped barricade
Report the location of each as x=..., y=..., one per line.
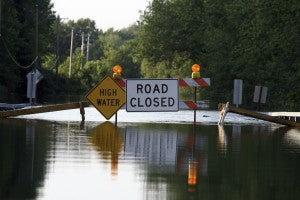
x=183, y=82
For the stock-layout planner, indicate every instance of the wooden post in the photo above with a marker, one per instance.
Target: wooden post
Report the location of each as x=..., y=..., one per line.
x=82, y=112
x=223, y=112
x=71, y=51
x=260, y=116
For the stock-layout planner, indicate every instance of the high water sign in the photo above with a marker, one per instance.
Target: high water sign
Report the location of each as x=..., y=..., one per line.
x=107, y=97
x=152, y=95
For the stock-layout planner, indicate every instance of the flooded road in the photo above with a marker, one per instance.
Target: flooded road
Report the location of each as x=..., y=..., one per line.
x=66, y=160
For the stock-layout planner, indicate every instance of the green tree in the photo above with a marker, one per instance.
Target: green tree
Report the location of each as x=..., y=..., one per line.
x=257, y=41
x=18, y=39
x=10, y=27
x=119, y=48
x=170, y=31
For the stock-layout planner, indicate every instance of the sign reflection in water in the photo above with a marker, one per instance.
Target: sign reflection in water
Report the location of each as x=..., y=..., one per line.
x=192, y=177
x=169, y=152
x=193, y=162
x=109, y=143
x=47, y=160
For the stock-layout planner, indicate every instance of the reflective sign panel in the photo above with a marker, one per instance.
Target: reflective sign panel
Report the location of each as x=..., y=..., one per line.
x=152, y=95
x=107, y=97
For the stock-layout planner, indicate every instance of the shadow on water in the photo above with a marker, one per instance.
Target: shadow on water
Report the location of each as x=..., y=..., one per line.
x=23, y=147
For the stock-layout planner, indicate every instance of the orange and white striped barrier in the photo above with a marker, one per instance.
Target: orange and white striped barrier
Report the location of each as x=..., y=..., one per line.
x=183, y=82
x=194, y=82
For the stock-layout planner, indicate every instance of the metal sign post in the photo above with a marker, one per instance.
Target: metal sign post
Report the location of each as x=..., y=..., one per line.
x=195, y=100
x=31, y=87
x=33, y=78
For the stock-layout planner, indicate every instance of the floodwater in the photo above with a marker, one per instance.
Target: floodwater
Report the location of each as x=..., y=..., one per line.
x=64, y=159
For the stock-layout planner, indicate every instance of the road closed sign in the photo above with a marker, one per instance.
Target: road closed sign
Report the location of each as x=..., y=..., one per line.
x=152, y=95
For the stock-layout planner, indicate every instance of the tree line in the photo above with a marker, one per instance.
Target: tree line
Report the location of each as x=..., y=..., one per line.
x=256, y=41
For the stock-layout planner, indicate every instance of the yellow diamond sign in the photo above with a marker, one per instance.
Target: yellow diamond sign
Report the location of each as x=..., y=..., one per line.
x=107, y=97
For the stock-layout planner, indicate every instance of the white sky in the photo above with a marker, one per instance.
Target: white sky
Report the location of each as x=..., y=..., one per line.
x=106, y=13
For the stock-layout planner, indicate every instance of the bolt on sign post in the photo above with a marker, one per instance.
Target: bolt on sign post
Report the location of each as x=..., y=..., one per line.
x=107, y=97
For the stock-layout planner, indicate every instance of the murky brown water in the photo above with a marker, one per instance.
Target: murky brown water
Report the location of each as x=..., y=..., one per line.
x=48, y=160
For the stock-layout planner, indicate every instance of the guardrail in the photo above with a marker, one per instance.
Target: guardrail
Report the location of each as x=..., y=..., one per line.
x=224, y=108
x=42, y=109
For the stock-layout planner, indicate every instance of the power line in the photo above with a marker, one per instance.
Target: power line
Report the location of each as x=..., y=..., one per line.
x=13, y=59
x=55, y=63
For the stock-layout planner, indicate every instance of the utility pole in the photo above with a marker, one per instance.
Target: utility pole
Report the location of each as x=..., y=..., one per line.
x=82, y=48
x=36, y=37
x=57, y=45
x=88, y=48
x=0, y=15
x=82, y=42
x=34, y=74
x=57, y=51
x=71, y=50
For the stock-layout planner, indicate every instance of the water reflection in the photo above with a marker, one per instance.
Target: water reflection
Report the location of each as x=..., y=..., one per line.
x=193, y=162
x=156, y=146
x=170, y=153
x=222, y=139
x=108, y=142
x=292, y=138
x=22, y=153
x=192, y=175
x=46, y=160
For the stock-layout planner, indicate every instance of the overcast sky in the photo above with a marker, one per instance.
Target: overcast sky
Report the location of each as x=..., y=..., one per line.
x=107, y=13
